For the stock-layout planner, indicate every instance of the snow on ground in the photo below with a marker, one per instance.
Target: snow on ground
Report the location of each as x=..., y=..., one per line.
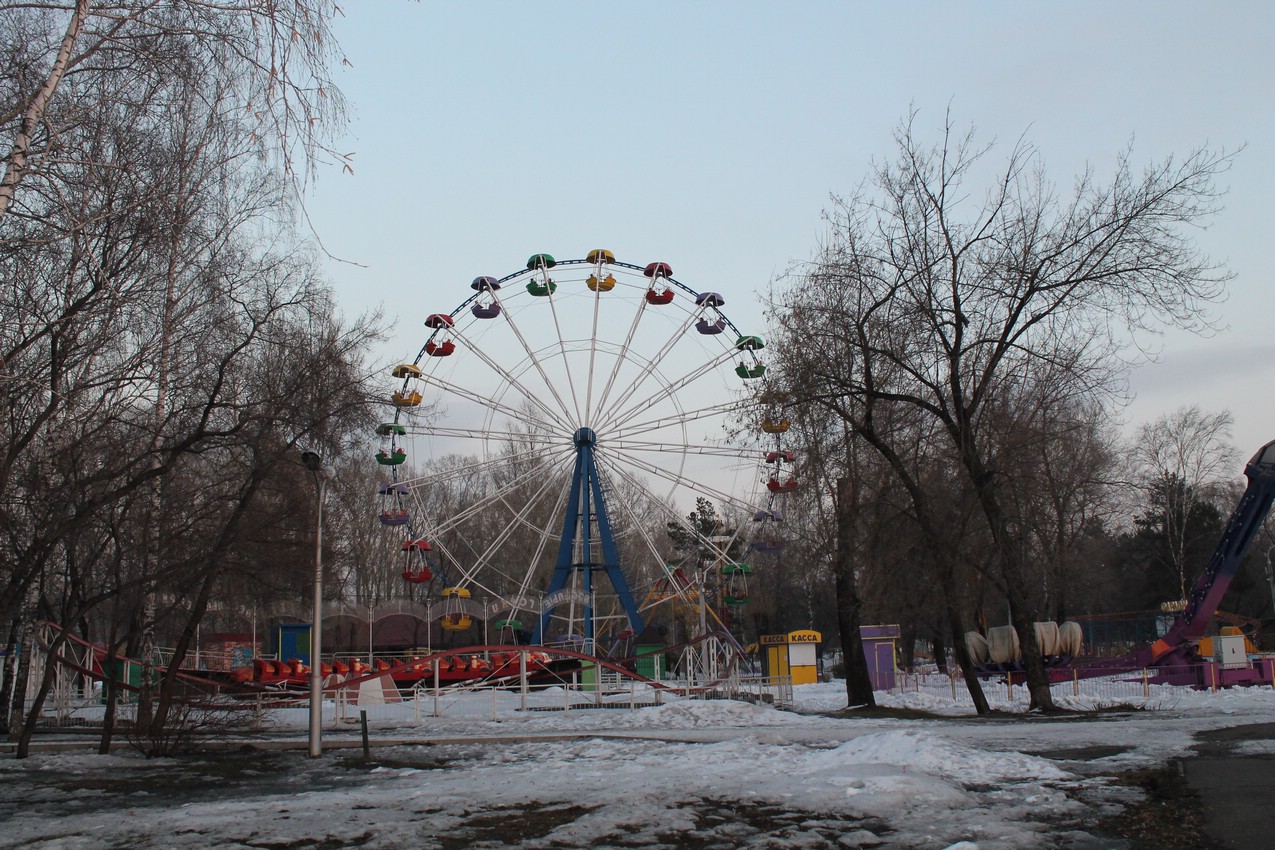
x=690, y=773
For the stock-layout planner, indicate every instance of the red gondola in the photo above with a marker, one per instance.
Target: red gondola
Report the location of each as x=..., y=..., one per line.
x=417, y=570
x=439, y=320
x=785, y=484
x=440, y=349
x=659, y=297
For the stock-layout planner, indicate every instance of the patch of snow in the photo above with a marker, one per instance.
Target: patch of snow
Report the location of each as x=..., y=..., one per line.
x=749, y=774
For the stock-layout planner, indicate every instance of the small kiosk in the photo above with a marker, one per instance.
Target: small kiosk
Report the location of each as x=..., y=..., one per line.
x=795, y=654
x=291, y=640
x=879, y=648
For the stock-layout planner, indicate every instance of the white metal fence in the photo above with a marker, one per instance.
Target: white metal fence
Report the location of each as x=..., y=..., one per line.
x=76, y=701
x=1144, y=687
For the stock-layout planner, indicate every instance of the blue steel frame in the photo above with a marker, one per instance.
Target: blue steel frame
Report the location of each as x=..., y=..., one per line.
x=585, y=506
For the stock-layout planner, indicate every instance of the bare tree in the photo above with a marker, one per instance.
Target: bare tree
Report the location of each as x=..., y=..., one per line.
x=933, y=299
x=276, y=55
x=1181, y=457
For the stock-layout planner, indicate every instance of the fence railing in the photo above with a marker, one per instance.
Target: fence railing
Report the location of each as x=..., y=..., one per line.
x=1072, y=685
x=79, y=702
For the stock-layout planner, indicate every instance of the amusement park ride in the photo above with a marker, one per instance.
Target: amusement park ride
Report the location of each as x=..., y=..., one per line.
x=595, y=395
x=588, y=397
x=1174, y=658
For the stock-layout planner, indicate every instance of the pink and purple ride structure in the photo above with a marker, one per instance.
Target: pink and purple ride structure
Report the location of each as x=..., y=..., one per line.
x=1174, y=658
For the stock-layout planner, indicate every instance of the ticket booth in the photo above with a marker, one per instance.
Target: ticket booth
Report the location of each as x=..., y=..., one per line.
x=795, y=654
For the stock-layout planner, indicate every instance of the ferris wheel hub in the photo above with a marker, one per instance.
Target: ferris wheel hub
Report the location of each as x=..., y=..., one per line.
x=586, y=437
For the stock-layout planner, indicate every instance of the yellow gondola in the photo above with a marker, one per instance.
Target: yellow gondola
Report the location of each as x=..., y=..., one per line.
x=454, y=617
x=408, y=399
x=406, y=370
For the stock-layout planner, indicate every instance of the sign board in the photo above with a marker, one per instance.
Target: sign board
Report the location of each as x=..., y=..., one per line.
x=565, y=596
x=802, y=636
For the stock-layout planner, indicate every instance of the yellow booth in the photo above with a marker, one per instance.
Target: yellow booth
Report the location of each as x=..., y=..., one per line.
x=794, y=654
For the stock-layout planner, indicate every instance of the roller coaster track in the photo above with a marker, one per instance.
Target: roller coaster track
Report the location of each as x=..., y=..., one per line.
x=98, y=670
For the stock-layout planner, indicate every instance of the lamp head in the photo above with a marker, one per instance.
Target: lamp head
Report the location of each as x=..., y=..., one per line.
x=313, y=461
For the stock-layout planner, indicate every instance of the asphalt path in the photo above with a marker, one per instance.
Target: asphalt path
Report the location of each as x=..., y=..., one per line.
x=1237, y=790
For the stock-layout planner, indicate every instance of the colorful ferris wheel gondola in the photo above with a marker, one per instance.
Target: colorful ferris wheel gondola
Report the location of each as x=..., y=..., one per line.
x=735, y=576
x=541, y=285
x=750, y=365
x=659, y=293
x=597, y=281
x=488, y=307
x=711, y=321
x=416, y=568
x=441, y=344
x=406, y=398
x=392, y=456
x=780, y=479
x=456, y=617
x=394, y=511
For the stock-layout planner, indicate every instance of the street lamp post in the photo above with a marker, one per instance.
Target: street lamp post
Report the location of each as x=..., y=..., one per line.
x=314, y=462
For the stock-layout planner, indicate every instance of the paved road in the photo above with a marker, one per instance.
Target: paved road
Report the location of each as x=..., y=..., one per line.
x=1236, y=790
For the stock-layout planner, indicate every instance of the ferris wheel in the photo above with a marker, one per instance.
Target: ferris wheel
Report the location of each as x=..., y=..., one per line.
x=558, y=421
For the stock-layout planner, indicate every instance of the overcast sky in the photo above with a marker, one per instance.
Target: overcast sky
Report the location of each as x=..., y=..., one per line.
x=710, y=135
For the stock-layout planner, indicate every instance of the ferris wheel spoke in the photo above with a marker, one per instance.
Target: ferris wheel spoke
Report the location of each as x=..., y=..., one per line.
x=673, y=515
x=619, y=360
x=682, y=480
x=534, y=360
x=512, y=380
x=707, y=449
x=481, y=504
x=593, y=351
x=639, y=522
x=682, y=417
x=669, y=389
x=443, y=476
x=483, y=563
x=652, y=367
x=520, y=518
x=547, y=535
x=485, y=434
x=491, y=404
x=562, y=349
